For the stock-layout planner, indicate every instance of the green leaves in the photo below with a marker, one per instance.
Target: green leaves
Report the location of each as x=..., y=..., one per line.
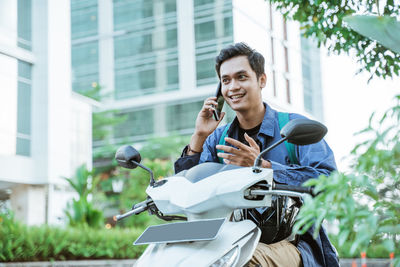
x=323, y=22
x=364, y=204
x=384, y=29
x=19, y=242
x=81, y=212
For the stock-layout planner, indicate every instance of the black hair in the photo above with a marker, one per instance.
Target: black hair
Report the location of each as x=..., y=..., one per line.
x=256, y=60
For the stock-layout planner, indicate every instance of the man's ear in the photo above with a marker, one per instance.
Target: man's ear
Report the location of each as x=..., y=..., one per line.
x=262, y=80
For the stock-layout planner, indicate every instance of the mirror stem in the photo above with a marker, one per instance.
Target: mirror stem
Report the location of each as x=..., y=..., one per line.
x=257, y=162
x=146, y=169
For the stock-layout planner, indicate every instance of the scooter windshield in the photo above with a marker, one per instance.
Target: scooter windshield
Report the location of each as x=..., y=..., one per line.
x=206, y=169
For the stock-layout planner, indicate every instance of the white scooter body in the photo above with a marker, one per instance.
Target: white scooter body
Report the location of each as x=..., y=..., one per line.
x=241, y=236
x=216, y=196
x=205, y=194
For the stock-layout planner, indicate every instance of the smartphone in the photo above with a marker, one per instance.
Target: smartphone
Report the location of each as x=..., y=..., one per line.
x=220, y=101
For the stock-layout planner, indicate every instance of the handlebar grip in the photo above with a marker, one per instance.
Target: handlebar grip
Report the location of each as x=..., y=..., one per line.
x=300, y=189
x=130, y=213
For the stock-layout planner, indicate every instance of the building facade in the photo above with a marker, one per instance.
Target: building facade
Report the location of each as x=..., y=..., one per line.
x=45, y=128
x=154, y=59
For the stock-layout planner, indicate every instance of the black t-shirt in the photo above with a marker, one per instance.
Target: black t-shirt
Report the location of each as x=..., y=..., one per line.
x=253, y=132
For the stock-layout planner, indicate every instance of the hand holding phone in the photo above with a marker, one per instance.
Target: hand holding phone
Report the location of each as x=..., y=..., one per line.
x=220, y=101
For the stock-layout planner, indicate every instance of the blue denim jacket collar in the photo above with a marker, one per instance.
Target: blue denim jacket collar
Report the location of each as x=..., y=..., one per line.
x=267, y=126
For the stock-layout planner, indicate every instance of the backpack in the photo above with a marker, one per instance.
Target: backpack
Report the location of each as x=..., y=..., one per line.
x=283, y=118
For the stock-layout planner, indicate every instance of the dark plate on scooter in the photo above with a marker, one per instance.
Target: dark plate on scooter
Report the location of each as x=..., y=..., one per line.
x=201, y=230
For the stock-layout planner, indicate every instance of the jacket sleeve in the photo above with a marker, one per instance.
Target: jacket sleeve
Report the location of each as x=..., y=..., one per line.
x=315, y=160
x=209, y=154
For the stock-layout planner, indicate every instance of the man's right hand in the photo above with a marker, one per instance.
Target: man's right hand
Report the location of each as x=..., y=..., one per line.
x=205, y=124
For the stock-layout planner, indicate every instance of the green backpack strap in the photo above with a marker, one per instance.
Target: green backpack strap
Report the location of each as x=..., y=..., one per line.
x=283, y=118
x=222, y=142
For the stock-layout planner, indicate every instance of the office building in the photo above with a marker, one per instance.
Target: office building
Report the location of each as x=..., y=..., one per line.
x=155, y=59
x=45, y=128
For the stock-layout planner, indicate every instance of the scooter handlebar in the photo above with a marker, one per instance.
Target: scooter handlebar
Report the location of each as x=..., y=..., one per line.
x=284, y=190
x=299, y=189
x=136, y=209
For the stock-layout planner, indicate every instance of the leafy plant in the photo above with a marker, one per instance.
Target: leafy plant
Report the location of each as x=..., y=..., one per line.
x=103, y=121
x=81, y=212
x=158, y=153
x=19, y=242
x=324, y=21
x=366, y=202
x=169, y=147
x=135, y=183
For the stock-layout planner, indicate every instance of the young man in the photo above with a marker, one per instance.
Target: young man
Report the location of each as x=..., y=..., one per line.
x=256, y=126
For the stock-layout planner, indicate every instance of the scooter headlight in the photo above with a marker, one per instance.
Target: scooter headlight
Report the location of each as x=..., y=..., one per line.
x=228, y=259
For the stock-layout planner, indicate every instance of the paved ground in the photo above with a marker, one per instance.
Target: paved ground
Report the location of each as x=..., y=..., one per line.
x=129, y=263
x=95, y=263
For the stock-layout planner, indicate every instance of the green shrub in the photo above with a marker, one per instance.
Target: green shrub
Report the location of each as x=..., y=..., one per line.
x=134, y=190
x=19, y=242
x=366, y=202
x=81, y=211
x=375, y=250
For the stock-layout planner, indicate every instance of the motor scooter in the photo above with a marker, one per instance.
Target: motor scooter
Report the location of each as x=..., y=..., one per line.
x=208, y=199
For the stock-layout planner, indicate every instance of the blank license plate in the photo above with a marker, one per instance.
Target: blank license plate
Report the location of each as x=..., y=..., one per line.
x=202, y=230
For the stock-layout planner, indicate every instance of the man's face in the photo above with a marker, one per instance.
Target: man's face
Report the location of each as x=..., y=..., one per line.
x=240, y=86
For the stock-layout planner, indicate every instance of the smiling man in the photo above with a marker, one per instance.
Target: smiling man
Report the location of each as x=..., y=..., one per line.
x=256, y=126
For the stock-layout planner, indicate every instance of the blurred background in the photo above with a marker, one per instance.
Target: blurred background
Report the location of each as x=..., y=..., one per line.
x=79, y=78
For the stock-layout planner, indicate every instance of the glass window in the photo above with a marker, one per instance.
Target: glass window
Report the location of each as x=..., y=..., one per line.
x=228, y=27
x=82, y=84
x=205, y=68
x=24, y=108
x=25, y=24
x=205, y=31
x=85, y=54
x=130, y=45
x=173, y=74
x=134, y=83
x=83, y=18
x=139, y=122
x=147, y=79
x=85, y=66
x=169, y=6
x=23, y=147
x=146, y=57
x=202, y=2
x=127, y=12
x=24, y=70
x=213, y=31
x=312, y=93
x=172, y=38
x=182, y=116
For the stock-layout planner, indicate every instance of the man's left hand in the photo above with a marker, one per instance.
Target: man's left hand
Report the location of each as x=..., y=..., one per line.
x=243, y=155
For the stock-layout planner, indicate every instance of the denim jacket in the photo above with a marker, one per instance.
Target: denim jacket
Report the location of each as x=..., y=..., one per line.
x=315, y=160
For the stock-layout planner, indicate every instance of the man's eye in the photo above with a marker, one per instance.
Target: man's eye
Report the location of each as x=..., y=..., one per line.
x=225, y=80
x=242, y=77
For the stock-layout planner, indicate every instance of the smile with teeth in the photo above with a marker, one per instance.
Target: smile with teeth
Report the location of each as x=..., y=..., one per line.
x=236, y=96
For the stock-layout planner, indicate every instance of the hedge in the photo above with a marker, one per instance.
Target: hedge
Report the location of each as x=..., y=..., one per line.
x=19, y=242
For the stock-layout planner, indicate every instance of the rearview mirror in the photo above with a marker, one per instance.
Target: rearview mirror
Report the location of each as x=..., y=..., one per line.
x=127, y=157
x=303, y=131
x=297, y=131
